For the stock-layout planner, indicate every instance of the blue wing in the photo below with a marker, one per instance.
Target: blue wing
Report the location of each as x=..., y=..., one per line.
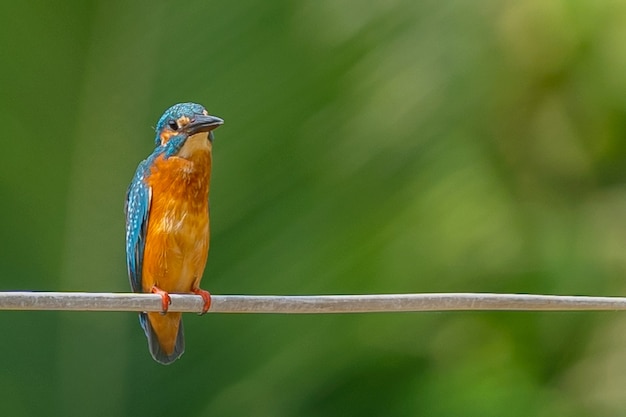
x=137, y=208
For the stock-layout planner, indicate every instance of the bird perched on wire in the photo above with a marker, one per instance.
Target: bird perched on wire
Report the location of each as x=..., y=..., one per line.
x=167, y=221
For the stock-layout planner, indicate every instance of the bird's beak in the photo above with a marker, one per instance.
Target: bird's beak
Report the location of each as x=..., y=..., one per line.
x=202, y=123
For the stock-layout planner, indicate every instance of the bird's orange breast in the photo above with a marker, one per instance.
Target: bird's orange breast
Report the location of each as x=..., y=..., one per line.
x=177, y=239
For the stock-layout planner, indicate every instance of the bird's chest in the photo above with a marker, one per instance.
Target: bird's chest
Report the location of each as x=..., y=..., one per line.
x=179, y=211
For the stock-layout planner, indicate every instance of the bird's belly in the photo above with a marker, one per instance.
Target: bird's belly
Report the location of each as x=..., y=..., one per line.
x=176, y=250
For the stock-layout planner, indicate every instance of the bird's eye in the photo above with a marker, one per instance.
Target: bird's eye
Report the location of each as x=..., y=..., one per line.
x=173, y=125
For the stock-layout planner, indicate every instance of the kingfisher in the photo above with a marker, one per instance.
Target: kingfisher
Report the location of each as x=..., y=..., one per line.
x=167, y=222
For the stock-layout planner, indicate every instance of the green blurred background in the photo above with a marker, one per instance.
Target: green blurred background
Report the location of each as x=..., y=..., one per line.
x=383, y=147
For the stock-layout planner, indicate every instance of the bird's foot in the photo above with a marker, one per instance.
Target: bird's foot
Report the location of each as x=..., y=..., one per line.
x=166, y=300
x=206, y=296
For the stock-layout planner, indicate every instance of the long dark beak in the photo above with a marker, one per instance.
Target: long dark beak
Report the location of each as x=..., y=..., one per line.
x=202, y=123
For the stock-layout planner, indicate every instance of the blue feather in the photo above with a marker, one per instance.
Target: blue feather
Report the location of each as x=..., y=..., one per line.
x=138, y=198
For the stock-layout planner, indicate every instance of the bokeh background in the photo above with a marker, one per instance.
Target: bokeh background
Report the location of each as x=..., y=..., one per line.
x=378, y=147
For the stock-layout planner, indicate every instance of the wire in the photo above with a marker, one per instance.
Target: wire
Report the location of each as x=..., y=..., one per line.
x=308, y=304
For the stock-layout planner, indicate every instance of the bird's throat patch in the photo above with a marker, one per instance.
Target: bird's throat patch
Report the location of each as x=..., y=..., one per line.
x=196, y=143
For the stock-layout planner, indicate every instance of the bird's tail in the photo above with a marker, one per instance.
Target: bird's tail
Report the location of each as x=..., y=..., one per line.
x=165, y=335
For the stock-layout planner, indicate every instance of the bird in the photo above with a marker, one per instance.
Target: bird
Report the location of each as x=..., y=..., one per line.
x=167, y=222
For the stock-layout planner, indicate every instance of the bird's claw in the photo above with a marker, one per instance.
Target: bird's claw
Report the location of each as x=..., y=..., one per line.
x=166, y=300
x=206, y=296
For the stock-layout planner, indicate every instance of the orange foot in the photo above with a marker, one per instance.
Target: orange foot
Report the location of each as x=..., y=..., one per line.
x=165, y=298
x=206, y=296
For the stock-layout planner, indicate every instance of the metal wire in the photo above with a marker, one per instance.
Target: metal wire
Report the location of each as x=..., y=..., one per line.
x=309, y=304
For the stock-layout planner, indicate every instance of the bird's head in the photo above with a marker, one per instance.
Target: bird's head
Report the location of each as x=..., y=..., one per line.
x=184, y=120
